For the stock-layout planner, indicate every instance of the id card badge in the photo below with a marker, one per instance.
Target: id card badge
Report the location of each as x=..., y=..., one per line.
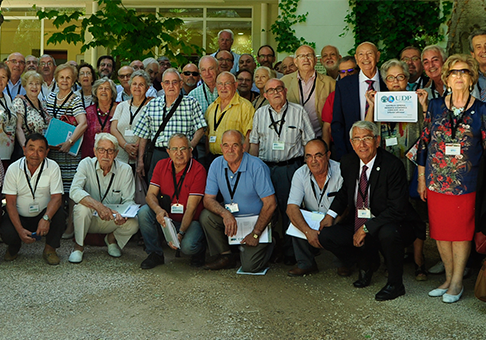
x=34, y=208
x=453, y=149
x=176, y=208
x=212, y=139
x=232, y=207
x=391, y=141
x=129, y=133
x=364, y=213
x=278, y=146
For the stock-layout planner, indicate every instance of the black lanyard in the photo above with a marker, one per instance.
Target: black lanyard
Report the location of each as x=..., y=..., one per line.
x=109, y=185
x=5, y=107
x=60, y=107
x=323, y=190
x=132, y=116
x=260, y=105
x=390, y=127
x=281, y=121
x=205, y=94
x=84, y=104
x=460, y=119
x=38, y=178
x=41, y=112
x=103, y=124
x=216, y=124
x=18, y=90
x=178, y=185
x=231, y=192
x=302, y=91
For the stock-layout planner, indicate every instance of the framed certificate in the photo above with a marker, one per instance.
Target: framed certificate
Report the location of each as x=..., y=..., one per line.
x=400, y=106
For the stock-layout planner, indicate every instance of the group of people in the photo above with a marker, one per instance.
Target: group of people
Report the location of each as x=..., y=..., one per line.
x=293, y=155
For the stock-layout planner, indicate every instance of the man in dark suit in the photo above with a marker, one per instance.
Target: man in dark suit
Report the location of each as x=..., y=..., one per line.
x=350, y=101
x=380, y=217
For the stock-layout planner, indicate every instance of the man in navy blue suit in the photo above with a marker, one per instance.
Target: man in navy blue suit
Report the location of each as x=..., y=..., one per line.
x=350, y=102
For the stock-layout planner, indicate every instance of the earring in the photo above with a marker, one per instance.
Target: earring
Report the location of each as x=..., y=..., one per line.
x=470, y=88
x=449, y=89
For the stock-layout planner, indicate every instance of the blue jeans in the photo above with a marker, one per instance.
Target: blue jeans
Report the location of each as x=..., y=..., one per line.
x=192, y=243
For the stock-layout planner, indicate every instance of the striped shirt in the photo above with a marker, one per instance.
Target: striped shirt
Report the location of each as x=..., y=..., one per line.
x=56, y=109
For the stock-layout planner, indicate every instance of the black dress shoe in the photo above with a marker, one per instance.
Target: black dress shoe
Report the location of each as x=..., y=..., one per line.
x=198, y=259
x=390, y=292
x=364, y=279
x=223, y=262
x=152, y=261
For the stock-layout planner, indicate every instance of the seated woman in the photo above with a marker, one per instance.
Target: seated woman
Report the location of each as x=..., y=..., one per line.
x=99, y=114
x=32, y=116
x=397, y=138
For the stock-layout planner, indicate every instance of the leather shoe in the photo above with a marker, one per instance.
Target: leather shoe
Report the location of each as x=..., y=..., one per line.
x=390, y=292
x=152, y=261
x=198, y=259
x=344, y=271
x=51, y=257
x=301, y=272
x=449, y=298
x=364, y=279
x=223, y=262
x=11, y=253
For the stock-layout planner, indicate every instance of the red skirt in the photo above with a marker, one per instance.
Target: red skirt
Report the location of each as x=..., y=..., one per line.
x=451, y=217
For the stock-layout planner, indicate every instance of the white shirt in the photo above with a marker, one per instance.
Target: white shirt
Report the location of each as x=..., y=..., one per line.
x=363, y=88
x=49, y=183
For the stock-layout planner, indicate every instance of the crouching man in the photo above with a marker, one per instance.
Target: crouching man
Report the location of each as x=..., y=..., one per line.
x=99, y=181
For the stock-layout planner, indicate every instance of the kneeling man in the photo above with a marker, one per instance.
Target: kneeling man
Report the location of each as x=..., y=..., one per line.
x=245, y=184
x=33, y=189
x=99, y=181
x=182, y=180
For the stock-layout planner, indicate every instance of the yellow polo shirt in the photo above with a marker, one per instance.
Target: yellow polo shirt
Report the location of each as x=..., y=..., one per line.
x=238, y=115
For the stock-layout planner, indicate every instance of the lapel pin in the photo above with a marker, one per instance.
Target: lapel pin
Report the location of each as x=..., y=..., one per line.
x=378, y=169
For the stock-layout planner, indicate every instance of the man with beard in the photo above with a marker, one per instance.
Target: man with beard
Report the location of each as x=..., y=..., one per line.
x=190, y=77
x=329, y=59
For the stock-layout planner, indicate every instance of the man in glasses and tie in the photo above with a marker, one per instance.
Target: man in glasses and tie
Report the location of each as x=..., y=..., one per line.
x=280, y=131
x=100, y=181
x=411, y=56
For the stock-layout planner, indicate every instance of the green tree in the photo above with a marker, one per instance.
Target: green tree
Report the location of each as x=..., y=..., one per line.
x=127, y=34
x=393, y=25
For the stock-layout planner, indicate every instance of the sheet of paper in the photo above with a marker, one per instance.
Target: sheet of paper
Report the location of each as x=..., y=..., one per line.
x=312, y=219
x=125, y=210
x=245, y=226
x=400, y=106
x=262, y=272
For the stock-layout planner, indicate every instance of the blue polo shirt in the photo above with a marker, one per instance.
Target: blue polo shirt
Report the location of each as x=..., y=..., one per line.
x=254, y=183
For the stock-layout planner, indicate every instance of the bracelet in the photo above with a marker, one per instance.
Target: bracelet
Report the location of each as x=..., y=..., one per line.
x=70, y=141
x=421, y=175
x=182, y=233
x=125, y=145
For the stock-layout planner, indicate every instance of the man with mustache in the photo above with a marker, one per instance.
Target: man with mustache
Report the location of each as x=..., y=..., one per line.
x=329, y=59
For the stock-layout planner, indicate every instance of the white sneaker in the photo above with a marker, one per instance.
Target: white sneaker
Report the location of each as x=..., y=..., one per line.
x=438, y=268
x=76, y=256
x=113, y=249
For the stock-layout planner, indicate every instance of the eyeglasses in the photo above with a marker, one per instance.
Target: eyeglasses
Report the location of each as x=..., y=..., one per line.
x=391, y=78
x=278, y=89
x=225, y=60
x=16, y=62
x=87, y=74
x=243, y=80
x=181, y=149
x=460, y=73
x=32, y=62
x=188, y=73
x=266, y=56
x=317, y=156
x=228, y=83
x=44, y=63
x=123, y=76
x=305, y=56
x=173, y=82
x=106, y=64
x=108, y=151
x=349, y=70
x=366, y=139
x=407, y=59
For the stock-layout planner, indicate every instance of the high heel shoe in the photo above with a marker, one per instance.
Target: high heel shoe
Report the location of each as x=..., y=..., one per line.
x=437, y=292
x=449, y=298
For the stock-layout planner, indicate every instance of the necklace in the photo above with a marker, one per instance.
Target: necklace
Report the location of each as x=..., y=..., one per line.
x=101, y=113
x=61, y=99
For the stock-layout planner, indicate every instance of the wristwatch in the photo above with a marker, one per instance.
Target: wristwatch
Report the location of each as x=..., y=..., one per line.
x=365, y=229
x=46, y=218
x=255, y=236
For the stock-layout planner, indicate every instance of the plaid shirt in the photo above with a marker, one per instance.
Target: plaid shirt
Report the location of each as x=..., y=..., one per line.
x=187, y=119
x=204, y=98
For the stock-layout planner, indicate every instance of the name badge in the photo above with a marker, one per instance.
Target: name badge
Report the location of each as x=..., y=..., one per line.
x=364, y=213
x=34, y=208
x=212, y=139
x=453, y=149
x=232, y=207
x=391, y=141
x=177, y=208
x=278, y=146
x=129, y=133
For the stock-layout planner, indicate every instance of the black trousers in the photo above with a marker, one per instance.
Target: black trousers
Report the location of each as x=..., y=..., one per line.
x=53, y=237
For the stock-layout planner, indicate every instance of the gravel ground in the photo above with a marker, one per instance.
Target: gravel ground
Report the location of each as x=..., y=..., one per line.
x=107, y=298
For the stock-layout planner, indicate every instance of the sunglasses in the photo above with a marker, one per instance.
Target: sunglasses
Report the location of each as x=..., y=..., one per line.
x=187, y=73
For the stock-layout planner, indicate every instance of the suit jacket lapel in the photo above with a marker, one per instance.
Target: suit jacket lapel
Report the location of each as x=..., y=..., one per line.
x=355, y=102
x=294, y=88
x=375, y=174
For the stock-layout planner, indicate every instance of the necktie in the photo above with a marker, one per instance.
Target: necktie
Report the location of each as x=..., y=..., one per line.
x=360, y=203
x=411, y=86
x=482, y=97
x=370, y=87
